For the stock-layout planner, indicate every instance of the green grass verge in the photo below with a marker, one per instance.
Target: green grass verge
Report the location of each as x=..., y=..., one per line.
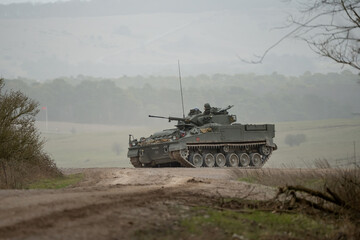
x=250, y=179
x=57, y=183
x=254, y=225
x=210, y=223
x=315, y=183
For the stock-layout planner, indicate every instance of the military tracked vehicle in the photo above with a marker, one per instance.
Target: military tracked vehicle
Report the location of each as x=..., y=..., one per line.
x=205, y=139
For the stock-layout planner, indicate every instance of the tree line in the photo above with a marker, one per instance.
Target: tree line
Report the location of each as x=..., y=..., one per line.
x=257, y=98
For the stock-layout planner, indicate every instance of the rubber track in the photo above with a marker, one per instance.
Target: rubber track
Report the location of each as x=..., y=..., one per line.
x=185, y=163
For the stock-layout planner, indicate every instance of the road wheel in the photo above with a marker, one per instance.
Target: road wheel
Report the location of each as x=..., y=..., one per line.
x=256, y=159
x=209, y=160
x=232, y=160
x=265, y=150
x=244, y=159
x=196, y=159
x=184, y=153
x=220, y=160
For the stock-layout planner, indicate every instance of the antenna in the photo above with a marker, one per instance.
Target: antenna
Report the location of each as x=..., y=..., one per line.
x=181, y=92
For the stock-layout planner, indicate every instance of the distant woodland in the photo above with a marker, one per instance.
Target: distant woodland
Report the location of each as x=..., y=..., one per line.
x=256, y=98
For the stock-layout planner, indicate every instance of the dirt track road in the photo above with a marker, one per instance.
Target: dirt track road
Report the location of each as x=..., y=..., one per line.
x=116, y=203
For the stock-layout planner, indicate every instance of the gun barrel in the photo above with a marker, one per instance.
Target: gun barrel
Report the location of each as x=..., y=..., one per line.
x=153, y=116
x=176, y=119
x=169, y=118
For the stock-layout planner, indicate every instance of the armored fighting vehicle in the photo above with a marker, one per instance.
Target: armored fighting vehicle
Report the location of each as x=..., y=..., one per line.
x=205, y=139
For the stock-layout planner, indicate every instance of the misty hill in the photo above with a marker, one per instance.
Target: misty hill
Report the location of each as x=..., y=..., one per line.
x=257, y=98
x=108, y=38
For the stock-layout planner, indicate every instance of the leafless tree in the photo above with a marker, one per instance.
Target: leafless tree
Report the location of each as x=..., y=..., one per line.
x=331, y=28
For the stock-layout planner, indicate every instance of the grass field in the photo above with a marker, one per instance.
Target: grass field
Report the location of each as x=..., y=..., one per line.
x=84, y=145
x=57, y=183
x=75, y=145
x=331, y=139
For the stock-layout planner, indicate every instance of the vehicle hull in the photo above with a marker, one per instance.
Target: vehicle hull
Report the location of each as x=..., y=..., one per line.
x=235, y=142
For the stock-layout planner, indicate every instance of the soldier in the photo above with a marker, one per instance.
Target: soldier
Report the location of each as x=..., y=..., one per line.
x=207, y=109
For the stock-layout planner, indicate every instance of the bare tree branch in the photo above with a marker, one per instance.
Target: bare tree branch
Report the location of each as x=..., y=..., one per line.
x=331, y=28
x=261, y=58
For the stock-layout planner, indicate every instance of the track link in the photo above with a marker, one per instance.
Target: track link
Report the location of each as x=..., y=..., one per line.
x=182, y=158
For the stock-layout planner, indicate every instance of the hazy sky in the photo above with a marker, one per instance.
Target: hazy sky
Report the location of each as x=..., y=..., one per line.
x=33, y=1
x=208, y=37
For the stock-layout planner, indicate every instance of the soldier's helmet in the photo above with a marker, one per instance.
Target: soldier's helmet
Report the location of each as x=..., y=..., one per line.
x=194, y=111
x=207, y=106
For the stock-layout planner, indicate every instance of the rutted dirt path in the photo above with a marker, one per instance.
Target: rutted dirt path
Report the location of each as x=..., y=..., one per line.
x=115, y=203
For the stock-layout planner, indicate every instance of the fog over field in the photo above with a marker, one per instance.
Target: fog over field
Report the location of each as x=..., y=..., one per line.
x=49, y=39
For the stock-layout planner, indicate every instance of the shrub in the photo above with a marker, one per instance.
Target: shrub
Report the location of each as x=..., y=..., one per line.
x=22, y=158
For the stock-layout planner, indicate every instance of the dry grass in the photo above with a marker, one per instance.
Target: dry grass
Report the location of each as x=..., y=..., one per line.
x=281, y=177
x=345, y=183
x=332, y=192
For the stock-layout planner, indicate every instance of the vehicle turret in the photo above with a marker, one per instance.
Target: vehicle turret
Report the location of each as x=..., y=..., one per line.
x=197, y=118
